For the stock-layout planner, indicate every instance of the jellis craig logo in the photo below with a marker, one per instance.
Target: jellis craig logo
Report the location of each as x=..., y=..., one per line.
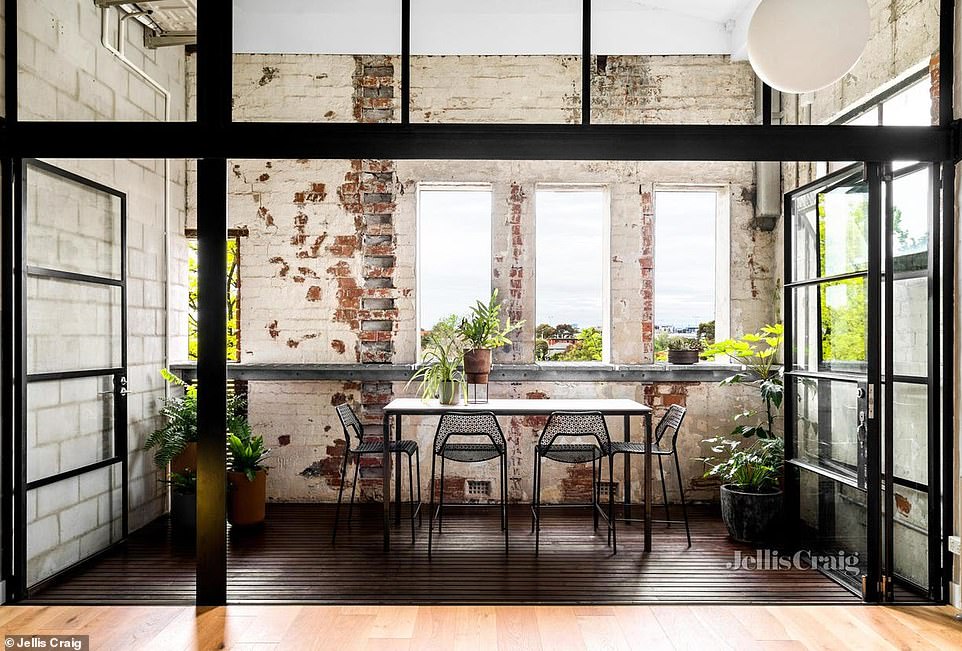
x=768, y=560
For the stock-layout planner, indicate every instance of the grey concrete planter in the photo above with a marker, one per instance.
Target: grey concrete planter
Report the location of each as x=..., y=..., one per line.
x=683, y=356
x=751, y=517
x=183, y=509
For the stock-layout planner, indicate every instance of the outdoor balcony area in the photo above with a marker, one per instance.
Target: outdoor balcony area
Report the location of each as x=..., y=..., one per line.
x=609, y=324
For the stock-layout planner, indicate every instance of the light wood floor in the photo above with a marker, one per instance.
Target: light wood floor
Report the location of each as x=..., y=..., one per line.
x=513, y=628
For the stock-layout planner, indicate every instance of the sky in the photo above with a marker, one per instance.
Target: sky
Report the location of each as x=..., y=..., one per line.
x=454, y=255
x=684, y=258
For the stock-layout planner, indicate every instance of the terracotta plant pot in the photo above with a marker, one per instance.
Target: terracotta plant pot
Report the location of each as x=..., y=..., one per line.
x=683, y=356
x=477, y=365
x=246, y=500
x=187, y=459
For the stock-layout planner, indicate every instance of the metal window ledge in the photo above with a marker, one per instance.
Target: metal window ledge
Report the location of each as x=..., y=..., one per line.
x=500, y=373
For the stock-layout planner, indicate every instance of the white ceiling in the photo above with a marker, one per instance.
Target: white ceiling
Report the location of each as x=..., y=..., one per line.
x=169, y=15
x=490, y=27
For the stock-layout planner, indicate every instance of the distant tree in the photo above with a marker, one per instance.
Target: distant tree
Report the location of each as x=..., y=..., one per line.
x=232, y=330
x=544, y=331
x=706, y=332
x=541, y=349
x=586, y=349
x=445, y=327
x=565, y=331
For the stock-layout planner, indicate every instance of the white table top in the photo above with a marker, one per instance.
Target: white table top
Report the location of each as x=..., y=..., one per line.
x=520, y=407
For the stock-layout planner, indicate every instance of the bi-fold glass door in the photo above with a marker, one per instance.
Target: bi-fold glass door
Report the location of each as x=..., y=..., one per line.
x=71, y=448
x=862, y=445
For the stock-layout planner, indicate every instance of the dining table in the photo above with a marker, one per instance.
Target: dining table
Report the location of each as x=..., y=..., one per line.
x=626, y=408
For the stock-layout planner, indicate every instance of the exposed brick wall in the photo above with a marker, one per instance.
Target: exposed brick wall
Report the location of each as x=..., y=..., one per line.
x=647, y=264
x=934, y=83
x=373, y=84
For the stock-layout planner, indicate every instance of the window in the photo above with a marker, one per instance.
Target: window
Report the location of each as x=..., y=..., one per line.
x=685, y=266
x=454, y=252
x=232, y=331
x=572, y=277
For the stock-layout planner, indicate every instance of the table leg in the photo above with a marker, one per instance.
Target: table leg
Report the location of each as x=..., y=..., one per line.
x=397, y=475
x=648, y=444
x=627, y=484
x=386, y=481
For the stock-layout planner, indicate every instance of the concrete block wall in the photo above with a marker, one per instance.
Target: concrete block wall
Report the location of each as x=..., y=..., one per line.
x=66, y=74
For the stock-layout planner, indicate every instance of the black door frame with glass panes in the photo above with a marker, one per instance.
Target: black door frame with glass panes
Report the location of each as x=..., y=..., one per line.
x=863, y=414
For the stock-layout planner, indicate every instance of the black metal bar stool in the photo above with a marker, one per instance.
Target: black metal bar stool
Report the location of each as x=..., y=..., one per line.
x=350, y=421
x=479, y=424
x=671, y=421
x=568, y=425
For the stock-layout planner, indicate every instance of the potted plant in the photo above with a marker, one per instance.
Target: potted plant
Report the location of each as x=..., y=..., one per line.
x=482, y=332
x=246, y=475
x=684, y=350
x=751, y=495
x=183, y=498
x=440, y=375
x=176, y=442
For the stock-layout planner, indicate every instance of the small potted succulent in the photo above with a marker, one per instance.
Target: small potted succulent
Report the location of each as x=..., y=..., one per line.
x=684, y=350
x=440, y=375
x=246, y=475
x=484, y=331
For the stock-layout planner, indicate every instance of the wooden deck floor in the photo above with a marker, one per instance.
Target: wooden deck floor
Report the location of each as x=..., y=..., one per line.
x=291, y=560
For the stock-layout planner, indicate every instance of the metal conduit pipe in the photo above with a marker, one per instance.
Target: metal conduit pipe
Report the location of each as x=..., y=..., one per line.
x=119, y=52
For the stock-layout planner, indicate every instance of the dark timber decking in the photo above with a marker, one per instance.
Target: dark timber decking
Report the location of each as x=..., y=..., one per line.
x=291, y=560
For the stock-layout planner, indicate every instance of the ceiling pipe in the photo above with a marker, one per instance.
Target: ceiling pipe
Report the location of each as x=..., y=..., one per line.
x=119, y=52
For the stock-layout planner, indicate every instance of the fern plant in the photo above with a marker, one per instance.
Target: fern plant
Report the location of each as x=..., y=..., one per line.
x=180, y=421
x=442, y=358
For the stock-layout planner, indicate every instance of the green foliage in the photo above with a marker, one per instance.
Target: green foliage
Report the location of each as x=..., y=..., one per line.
x=233, y=300
x=545, y=331
x=755, y=468
x=180, y=421
x=844, y=321
x=483, y=328
x=757, y=353
x=564, y=331
x=706, y=332
x=182, y=483
x=441, y=357
x=247, y=452
x=587, y=348
x=541, y=349
x=685, y=343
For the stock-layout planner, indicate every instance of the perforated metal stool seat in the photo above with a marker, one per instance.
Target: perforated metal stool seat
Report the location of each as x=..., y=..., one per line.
x=632, y=447
x=470, y=452
x=571, y=452
x=376, y=447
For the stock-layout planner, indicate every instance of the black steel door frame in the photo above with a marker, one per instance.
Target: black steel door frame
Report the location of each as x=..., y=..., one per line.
x=879, y=479
x=20, y=484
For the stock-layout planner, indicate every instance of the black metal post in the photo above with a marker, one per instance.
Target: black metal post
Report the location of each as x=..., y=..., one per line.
x=874, y=456
x=788, y=404
x=766, y=105
x=11, y=87
x=405, y=61
x=214, y=106
x=586, y=64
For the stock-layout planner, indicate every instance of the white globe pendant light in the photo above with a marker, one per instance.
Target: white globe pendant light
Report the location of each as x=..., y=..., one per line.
x=799, y=46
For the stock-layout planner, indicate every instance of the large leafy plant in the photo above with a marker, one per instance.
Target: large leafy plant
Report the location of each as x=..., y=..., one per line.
x=247, y=452
x=758, y=465
x=182, y=483
x=441, y=357
x=484, y=327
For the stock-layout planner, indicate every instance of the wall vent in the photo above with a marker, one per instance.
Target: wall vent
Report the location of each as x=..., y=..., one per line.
x=478, y=488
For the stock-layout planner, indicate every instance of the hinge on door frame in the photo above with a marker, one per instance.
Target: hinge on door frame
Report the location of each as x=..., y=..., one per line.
x=884, y=587
x=871, y=401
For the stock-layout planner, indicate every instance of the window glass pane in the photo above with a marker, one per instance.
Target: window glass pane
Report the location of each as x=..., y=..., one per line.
x=831, y=230
x=89, y=339
x=827, y=424
x=912, y=199
x=70, y=424
x=830, y=326
x=911, y=107
x=684, y=284
x=910, y=316
x=869, y=118
x=72, y=226
x=570, y=274
x=910, y=431
x=454, y=252
x=233, y=299
x=910, y=544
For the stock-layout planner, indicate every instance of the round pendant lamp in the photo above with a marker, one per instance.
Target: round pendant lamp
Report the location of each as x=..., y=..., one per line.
x=799, y=46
